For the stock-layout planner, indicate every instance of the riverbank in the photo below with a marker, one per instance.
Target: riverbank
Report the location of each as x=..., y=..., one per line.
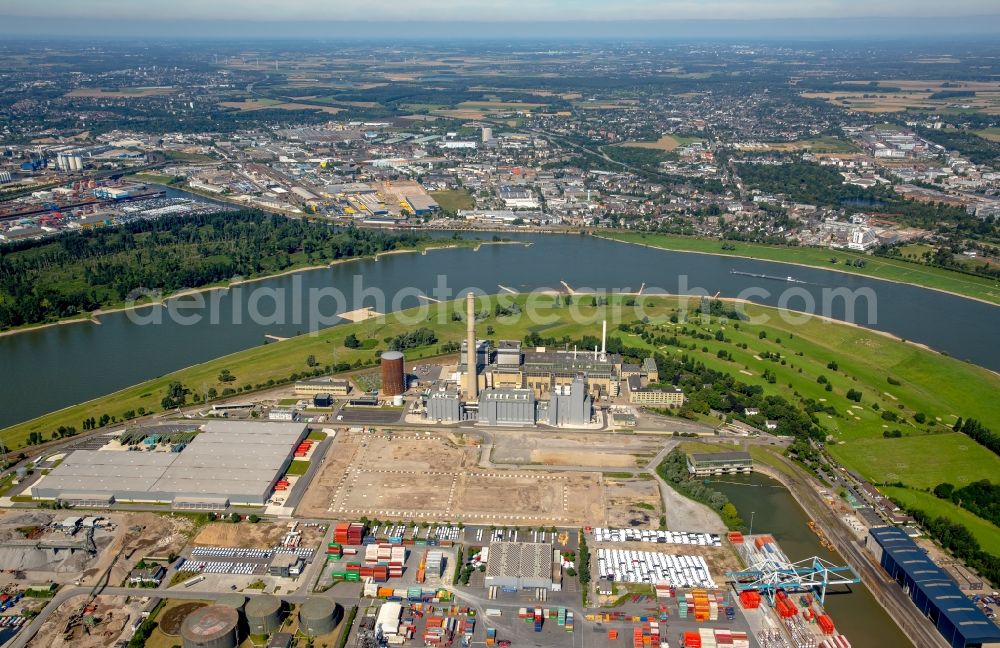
x=94, y=316
x=931, y=383
x=883, y=269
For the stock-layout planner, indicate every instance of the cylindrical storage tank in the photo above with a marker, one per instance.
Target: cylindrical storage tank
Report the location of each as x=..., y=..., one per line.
x=393, y=380
x=235, y=601
x=397, y=400
x=263, y=614
x=212, y=626
x=319, y=616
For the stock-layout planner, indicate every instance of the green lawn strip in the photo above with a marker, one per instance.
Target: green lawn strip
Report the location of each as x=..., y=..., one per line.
x=987, y=534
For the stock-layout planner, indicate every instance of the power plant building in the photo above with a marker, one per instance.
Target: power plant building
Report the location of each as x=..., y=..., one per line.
x=393, y=374
x=505, y=406
x=444, y=405
x=227, y=463
x=570, y=405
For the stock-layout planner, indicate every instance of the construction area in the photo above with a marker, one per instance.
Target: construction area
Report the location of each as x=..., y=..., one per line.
x=84, y=623
x=65, y=548
x=436, y=476
x=600, y=451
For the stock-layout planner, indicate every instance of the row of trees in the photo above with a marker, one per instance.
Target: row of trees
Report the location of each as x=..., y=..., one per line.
x=981, y=497
x=978, y=433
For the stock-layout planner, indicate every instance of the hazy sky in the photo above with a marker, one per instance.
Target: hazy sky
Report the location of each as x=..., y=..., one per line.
x=476, y=10
x=392, y=19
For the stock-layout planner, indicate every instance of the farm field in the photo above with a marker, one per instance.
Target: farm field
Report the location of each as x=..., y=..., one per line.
x=454, y=199
x=991, y=134
x=665, y=143
x=915, y=94
x=818, y=145
x=986, y=533
x=880, y=268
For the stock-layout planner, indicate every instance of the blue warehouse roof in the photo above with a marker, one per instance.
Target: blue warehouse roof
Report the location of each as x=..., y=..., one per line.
x=937, y=585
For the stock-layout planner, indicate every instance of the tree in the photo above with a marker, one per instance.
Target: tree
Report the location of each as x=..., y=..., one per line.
x=854, y=395
x=944, y=490
x=311, y=360
x=176, y=397
x=253, y=518
x=351, y=341
x=226, y=376
x=234, y=517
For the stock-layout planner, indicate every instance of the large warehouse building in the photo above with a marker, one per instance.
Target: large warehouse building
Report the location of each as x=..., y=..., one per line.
x=228, y=462
x=932, y=590
x=520, y=565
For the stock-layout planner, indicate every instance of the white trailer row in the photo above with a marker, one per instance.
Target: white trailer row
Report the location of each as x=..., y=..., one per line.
x=662, y=537
x=624, y=566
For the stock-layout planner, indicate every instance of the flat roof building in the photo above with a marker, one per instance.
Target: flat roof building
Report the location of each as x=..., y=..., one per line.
x=639, y=395
x=719, y=463
x=231, y=462
x=519, y=565
x=932, y=590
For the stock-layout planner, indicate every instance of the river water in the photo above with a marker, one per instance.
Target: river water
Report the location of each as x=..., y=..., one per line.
x=50, y=368
x=855, y=612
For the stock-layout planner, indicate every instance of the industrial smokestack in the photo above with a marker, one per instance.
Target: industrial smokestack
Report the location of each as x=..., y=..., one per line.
x=472, y=380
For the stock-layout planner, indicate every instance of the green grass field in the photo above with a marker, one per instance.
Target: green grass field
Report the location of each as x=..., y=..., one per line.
x=297, y=467
x=938, y=386
x=877, y=267
x=454, y=199
x=986, y=533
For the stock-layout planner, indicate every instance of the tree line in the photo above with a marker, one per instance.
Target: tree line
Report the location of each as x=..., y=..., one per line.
x=78, y=272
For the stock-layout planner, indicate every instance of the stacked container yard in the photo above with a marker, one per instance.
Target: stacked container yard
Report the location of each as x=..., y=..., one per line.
x=334, y=551
x=750, y=599
x=349, y=533
x=715, y=638
x=435, y=559
x=835, y=642
x=784, y=605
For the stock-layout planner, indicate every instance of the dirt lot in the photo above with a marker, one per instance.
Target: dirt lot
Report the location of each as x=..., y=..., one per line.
x=556, y=449
x=140, y=534
x=432, y=476
x=262, y=535
x=632, y=503
x=110, y=621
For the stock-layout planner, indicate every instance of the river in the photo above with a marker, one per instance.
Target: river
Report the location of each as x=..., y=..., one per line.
x=49, y=368
x=855, y=612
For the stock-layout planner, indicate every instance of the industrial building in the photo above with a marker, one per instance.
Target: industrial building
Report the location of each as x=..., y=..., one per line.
x=932, y=590
x=520, y=565
x=212, y=626
x=655, y=397
x=444, y=405
x=703, y=464
x=319, y=616
x=393, y=374
x=228, y=462
x=326, y=385
x=505, y=406
x=264, y=614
